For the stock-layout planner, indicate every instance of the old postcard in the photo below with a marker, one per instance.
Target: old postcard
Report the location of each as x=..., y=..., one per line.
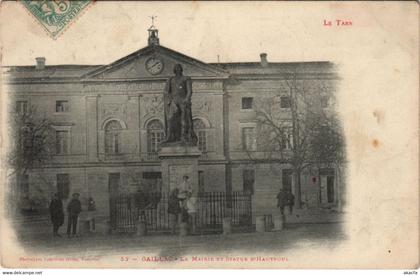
x=209, y=134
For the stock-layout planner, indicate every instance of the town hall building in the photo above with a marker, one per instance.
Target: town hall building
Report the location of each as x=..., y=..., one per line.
x=109, y=123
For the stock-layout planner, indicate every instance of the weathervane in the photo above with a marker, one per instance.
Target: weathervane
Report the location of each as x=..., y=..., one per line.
x=153, y=17
x=153, y=32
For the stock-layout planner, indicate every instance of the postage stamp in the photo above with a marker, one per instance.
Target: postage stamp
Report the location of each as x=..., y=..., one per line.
x=56, y=15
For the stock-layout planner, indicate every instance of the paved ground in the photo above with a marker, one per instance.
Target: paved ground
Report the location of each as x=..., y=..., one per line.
x=292, y=236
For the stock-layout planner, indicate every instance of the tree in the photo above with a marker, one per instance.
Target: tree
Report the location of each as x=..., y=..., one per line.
x=31, y=141
x=294, y=128
x=327, y=144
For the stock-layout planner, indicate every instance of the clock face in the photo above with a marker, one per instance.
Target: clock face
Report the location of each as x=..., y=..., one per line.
x=154, y=65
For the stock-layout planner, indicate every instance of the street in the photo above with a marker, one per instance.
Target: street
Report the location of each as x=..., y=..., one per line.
x=293, y=236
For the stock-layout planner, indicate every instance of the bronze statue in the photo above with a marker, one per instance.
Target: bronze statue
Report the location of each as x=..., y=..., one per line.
x=178, y=116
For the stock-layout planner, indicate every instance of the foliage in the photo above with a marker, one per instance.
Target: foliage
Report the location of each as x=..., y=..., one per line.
x=303, y=134
x=31, y=137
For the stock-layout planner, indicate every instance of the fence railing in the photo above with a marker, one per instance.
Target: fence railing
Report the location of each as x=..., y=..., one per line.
x=212, y=207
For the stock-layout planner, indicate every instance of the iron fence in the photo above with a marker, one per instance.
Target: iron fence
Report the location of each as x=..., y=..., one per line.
x=212, y=207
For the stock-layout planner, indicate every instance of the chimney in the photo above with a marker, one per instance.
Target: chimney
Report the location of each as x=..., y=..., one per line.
x=264, y=61
x=40, y=63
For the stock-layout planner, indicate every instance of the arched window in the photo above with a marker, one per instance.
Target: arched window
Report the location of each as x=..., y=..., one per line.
x=113, y=137
x=155, y=136
x=200, y=130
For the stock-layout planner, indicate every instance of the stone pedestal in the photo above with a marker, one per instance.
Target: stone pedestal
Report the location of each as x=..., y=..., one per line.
x=227, y=226
x=176, y=162
x=279, y=221
x=260, y=224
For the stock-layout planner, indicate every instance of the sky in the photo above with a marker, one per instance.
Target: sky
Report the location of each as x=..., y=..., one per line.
x=233, y=31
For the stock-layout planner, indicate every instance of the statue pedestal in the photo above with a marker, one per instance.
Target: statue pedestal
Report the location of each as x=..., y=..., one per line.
x=176, y=162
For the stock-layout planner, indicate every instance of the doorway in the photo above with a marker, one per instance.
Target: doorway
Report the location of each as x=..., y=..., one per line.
x=330, y=188
x=287, y=179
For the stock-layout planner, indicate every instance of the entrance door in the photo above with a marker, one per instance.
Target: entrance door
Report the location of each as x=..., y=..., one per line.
x=287, y=178
x=330, y=188
x=113, y=184
x=113, y=189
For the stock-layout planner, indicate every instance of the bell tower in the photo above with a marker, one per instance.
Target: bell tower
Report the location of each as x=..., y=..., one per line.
x=153, y=33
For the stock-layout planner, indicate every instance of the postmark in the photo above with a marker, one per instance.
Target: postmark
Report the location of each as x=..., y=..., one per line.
x=55, y=16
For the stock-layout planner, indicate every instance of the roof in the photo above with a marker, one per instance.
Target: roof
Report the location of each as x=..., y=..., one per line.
x=52, y=71
x=231, y=68
x=245, y=68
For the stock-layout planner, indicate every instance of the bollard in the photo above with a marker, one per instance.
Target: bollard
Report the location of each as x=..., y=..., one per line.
x=85, y=227
x=141, y=226
x=108, y=229
x=260, y=224
x=227, y=226
x=183, y=229
x=279, y=222
x=268, y=222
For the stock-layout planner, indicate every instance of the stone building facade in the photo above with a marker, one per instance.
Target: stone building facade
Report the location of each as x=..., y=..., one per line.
x=108, y=123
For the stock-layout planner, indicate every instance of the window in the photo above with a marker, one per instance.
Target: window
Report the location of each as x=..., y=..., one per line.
x=62, y=143
x=248, y=139
x=274, y=141
x=21, y=106
x=155, y=135
x=285, y=102
x=287, y=139
x=62, y=106
x=112, y=137
x=247, y=102
x=325, y=101
x=248, y=178
x=201, y=132
x=63, y=185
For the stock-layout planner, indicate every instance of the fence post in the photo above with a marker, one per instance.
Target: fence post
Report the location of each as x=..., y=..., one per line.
x=227, y=225
x=141, y=225
x=227, y=218
x=279, y=221
x=183, y=228
x=260, y=224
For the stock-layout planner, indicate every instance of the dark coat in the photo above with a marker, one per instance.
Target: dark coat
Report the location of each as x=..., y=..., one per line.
x=173, y=204
x=290, y=199
x=74, y=207
x=281, y=199
x=56, y=212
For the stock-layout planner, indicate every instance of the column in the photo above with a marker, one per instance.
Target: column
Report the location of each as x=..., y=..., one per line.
x=92, y=128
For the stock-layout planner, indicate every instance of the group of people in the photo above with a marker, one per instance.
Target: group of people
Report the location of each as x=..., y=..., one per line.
x=285, y=198
x=74, y=207
x=182, y=205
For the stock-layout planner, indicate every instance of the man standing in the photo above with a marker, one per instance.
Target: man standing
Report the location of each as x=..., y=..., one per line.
x=185, y=191
x=73, y=209
x=57, y=214
x=185, y=186
x=192, y=212
x=281, y=200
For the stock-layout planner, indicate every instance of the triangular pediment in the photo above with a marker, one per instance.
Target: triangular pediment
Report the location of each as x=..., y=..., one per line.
x=155, y=62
